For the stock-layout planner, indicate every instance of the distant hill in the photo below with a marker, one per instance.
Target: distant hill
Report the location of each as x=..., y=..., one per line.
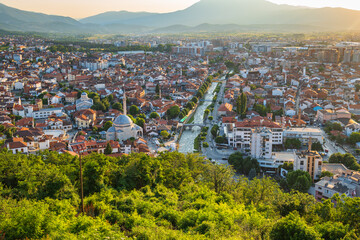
x=242, y=12
x=248, y=12
x=203, y=16
x=13, y=19
x=116, y=17
x=227, y=28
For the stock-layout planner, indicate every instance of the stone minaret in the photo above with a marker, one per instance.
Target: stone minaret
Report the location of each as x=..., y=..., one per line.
x=124, y=101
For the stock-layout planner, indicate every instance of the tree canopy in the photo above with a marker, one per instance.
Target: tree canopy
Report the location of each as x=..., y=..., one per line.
x=154, y=115
x=292, y=143
x=134, y=110
x=299, y=180
x=347, y=159
x=108, y=125
x=173, y=112
x=243, y=165
x=108, y=149
x=317, y=146
x=354, y=138
x=117, y=106
x=241, y=104
x=171, y=196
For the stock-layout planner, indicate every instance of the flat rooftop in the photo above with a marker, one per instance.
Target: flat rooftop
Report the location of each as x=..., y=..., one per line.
x=303, y=130
x=335, y=168
x=284, y=156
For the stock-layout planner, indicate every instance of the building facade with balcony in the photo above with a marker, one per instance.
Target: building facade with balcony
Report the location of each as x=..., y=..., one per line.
x=309, y=161
x=257, y=136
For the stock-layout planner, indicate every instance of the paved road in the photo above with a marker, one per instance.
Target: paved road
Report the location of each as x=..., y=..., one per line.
x=212, y=152
x=220, y=98
x=330, y=145
x=71, y=135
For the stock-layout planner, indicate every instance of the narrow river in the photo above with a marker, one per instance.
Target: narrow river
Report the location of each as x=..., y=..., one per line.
x=186, y=143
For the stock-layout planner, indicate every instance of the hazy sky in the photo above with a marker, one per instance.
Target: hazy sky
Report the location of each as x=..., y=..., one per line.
x=84, y=8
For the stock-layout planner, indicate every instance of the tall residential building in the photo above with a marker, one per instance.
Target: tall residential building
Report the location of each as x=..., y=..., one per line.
x=356, y=56
x=347, y=56
x=192, y=51
x=309, y=161
x=94, y=63
x=261, y=143
x=328, y=56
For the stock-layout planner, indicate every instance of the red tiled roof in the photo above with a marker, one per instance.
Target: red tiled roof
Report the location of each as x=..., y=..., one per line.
x=14, y=145
x=257, y=122
x=225, y=107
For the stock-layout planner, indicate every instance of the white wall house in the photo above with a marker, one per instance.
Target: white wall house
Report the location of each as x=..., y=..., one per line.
x=277, y=92
x=45, y=113
x=19, y=85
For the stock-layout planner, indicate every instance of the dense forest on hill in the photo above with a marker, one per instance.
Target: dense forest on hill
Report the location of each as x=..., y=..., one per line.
x=173, y=196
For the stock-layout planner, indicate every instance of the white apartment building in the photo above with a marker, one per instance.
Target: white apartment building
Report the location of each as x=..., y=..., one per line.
x=261, y=143
x=45, y=113
x=94, y=63
x=251, y=133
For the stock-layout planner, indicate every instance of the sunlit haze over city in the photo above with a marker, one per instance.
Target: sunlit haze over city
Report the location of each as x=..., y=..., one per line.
x=85, y=8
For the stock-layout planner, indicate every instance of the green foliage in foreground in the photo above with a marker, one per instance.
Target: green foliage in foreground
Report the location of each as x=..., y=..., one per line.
x=173, y=196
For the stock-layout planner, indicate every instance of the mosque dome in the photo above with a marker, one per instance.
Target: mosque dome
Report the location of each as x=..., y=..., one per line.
x=122, y=120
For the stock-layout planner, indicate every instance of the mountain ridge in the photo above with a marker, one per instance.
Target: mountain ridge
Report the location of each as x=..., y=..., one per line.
x=114, y=17
x=249, y=12
x=225, y=15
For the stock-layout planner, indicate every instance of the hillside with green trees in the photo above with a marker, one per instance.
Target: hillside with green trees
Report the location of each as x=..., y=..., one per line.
x=172, y=196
